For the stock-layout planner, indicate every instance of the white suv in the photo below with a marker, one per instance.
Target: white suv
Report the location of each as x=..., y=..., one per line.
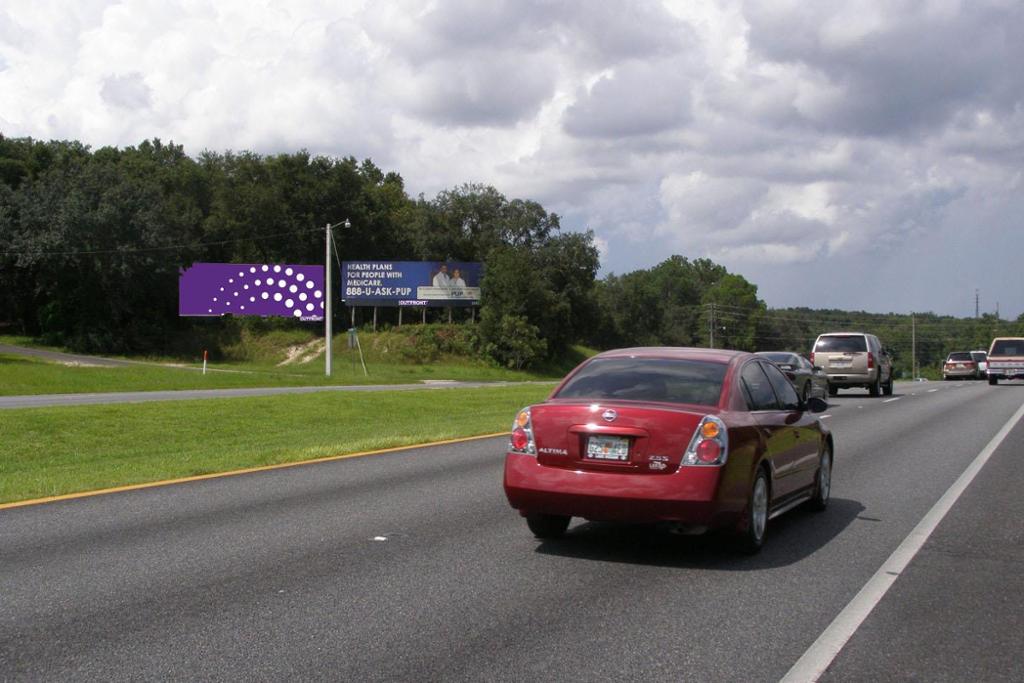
x=853, y=359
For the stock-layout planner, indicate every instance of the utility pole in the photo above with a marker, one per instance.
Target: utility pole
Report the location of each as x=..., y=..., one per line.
x=328, y=311
x=327, y=301
x=711, y=328
x=913, y=347
x=977, y=307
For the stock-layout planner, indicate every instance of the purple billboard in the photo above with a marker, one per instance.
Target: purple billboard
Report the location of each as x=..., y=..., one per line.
x=266, y=289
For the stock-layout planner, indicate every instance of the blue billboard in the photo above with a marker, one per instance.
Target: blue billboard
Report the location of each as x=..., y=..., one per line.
x=410, y=283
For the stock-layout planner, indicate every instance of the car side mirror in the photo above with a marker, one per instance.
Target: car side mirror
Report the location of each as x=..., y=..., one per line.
x=817, y=368
x=816, y=405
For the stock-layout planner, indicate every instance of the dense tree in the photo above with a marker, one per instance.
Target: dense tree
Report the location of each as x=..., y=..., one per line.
x=91, y=243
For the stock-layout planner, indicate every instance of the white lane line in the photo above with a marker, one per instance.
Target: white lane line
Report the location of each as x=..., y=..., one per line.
x=822, y=417
x=932, y=391
x=821, y=653
x=890, y=400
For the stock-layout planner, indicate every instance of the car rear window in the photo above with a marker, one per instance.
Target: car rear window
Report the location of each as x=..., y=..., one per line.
x=979, y=356
x=842, y=343
x=960, y=355
x=1008, y=347
x=664, y=380
x=779, y=357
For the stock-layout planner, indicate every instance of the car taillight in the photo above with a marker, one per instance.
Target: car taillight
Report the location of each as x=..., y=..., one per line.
x=521, y=440
x=812, y=357
x=709, y=445
x=871, y=360
x=708, y=451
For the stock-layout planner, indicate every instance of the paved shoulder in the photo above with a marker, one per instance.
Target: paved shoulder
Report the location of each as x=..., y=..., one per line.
x=957, y=612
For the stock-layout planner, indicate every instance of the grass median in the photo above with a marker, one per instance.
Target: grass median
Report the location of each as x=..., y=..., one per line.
x=55, y=451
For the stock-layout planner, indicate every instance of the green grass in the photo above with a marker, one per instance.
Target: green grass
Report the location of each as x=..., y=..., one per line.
x=22, y=375
x=54, y=451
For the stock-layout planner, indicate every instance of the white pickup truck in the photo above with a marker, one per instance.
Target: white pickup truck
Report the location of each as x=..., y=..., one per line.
x=1006, y=359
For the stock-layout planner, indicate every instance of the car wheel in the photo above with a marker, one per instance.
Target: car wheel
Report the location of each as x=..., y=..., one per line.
x=823, y=480
x=875, y=388
x=993, y=380
x=887, y=389
x=832, y=390
x=755, y=522
x=548, y=526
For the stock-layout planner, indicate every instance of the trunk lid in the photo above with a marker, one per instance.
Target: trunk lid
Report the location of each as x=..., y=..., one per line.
x=642, y=438
x=837, y=363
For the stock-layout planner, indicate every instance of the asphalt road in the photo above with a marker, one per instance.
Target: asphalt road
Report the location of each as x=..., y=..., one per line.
x=61, y=357
x=410, y=565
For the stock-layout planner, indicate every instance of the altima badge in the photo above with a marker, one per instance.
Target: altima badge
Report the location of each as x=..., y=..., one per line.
x=609, y=415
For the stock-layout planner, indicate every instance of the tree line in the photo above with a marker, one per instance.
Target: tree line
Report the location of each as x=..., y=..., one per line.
x=92, y=242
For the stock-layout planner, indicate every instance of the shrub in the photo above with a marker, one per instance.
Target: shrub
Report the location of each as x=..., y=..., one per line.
x=512, y=341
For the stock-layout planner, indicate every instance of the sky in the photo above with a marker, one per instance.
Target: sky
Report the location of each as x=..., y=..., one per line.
x=838, y=154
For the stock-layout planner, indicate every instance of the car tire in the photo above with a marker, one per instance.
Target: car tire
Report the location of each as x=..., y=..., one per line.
x=887, y=388
x=750, y=538
x=548, y=526
x=822, y=481
x=832, y=390
x=875, y=388
x=993, y=380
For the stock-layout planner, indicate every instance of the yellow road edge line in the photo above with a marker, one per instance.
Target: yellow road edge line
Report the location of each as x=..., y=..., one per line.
x=247, y=470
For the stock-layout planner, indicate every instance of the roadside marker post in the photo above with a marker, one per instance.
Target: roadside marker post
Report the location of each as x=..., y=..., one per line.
x=205, y=355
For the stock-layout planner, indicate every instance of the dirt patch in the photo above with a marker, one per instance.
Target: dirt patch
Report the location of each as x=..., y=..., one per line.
x=303, y=353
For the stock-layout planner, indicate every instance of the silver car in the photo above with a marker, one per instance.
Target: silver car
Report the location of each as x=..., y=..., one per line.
x=960, y=365
x=853, y=359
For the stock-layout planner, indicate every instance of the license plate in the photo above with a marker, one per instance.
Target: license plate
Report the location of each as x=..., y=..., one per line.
x=842, y=363
x=608, y=448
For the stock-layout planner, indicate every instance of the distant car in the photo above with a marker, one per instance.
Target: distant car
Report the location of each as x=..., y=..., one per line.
x=809, y=380
x=853, y=359
x=981, y=358
x=695, y=438
x=1005, y=359
x=960, y=365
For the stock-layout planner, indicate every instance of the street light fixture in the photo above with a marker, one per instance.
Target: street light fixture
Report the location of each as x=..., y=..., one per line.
x=328, y=311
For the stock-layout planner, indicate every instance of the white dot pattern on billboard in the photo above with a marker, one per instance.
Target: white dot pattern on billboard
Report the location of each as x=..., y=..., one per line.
x=282, y=294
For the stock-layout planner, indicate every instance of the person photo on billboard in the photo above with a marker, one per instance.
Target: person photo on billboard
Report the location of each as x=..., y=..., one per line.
x=456, y=279
x=442, y=279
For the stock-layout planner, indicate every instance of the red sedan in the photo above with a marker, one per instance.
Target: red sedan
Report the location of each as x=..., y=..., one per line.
x=698, y=438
